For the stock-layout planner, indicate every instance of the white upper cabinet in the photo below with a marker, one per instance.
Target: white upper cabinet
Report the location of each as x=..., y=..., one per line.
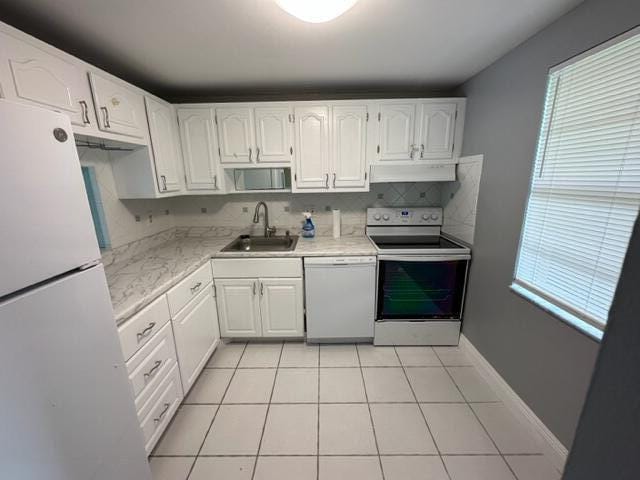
x=433, y=137
x=349, y=147
x=273, y=134
x=436, y=131
x=165, y=143
x=199, y=150
x=118, y=108
x=311, y=147
x=396, y=131
x=31, y=75
x=236, y=135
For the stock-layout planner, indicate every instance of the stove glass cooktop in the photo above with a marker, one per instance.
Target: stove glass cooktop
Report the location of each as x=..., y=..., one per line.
x=415, y=242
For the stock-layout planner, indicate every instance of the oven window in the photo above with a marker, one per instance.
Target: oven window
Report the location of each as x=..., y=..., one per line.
x=421, y=290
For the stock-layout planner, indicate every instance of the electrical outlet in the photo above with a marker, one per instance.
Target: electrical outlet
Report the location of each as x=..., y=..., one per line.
x=423, y=194
x=137, y=217
x=287, y=209
x=203, y=210
x=380, y=196
x=245, y=209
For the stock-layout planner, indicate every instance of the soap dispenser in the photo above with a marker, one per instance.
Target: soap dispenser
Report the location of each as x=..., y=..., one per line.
x=308, y=228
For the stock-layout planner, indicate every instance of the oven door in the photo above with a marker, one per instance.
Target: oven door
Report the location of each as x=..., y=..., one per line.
x=421, y=287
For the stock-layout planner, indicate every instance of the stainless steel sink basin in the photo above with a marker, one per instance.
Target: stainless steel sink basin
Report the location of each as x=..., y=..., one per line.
x=275, y=243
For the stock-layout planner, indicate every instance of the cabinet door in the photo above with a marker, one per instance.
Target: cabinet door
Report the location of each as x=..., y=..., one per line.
x=195, y=335
x=273, y=135
x=396, y=131
x=281, y=307
x=119, y=109
x=349, y=145
x=238, y=307
x=235, y=134
x=437, y=126
x=163, y=127
x=41, y=78
x=199, y=149
x=312, y=147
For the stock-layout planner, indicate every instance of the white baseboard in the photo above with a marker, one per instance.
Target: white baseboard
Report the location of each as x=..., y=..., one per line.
x=555, y=451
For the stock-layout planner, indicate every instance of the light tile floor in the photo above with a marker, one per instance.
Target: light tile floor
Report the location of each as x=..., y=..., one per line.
x=291, y=411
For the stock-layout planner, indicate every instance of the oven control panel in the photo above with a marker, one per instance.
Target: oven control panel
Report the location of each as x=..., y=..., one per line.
x=404, y=216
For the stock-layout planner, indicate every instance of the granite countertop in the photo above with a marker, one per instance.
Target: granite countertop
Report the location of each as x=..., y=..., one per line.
x=137, y=281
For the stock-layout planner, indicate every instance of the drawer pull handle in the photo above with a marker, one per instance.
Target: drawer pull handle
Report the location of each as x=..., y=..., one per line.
x=196, y=287
x=105, y=116
x=85, y=112
x=151, y=373
x=158, y=419
x=145, y=333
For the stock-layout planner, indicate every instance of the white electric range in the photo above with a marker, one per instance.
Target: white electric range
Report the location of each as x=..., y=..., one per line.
x=421, y=277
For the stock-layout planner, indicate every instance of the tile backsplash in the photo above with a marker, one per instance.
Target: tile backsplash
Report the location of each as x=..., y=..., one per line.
x=130, y=221
x=460, y=199
x=285, y=209
x=127, y=220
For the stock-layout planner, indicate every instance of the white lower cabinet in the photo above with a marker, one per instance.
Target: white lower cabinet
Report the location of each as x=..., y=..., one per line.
x=238, y=307
x=251, y=303
x=281, y=307
x=167, y=344
x=196, y=333
x=156, y=414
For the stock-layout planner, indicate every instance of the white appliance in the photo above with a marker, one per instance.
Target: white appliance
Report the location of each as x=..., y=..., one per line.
x=340, y=298
x=67, y=405
x=422, y=277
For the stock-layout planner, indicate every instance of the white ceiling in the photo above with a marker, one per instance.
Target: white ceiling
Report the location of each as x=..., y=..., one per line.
x=182, y=46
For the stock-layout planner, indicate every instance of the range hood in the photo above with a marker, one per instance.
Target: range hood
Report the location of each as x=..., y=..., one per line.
x=413, y=173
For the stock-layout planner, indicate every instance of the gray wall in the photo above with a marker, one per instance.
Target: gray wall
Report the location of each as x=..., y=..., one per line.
x=607, y=438
x=546, y=362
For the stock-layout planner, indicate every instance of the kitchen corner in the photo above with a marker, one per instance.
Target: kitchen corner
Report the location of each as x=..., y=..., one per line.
x=138, y=274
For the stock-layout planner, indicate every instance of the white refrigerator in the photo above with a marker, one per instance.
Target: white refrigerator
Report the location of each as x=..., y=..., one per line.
x=66, y=405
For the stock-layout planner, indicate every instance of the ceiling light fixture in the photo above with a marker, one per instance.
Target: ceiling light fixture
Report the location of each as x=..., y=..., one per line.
x=316, y=11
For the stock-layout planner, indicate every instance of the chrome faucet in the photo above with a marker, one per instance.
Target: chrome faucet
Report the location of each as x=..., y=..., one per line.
x=268, y=231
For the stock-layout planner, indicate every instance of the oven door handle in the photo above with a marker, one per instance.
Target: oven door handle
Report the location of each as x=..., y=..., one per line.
x=424, y=258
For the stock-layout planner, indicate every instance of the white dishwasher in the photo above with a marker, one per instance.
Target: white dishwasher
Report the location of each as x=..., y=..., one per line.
x=340, y=298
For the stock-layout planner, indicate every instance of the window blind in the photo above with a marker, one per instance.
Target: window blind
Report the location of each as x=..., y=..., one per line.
x=585, y=187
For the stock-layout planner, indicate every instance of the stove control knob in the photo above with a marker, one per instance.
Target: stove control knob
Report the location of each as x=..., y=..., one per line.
x=376, y=216
x=434, y=217
x=385, y=217
x=425, y=216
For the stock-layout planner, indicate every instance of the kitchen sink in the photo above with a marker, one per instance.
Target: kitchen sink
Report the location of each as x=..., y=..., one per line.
x=275, y=243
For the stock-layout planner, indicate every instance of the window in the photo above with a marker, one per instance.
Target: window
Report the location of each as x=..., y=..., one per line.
x=585, y=187
x=95, y=204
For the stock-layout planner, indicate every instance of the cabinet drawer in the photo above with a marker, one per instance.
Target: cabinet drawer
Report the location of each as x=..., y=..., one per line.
x=257, y=267
x=188, y=288
x=160, y=408
x=140, y=328
x=150, y=365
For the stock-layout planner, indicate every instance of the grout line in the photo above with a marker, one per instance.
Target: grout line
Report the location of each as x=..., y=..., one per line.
x=373, y=427
x=244, y=455
x=318, y=426
x=216, y=414
x=433, y=439
x=480, y=422
x=266, y=416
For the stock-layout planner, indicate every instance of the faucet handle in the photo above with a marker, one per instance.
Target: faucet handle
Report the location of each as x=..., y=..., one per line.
x=270, y=231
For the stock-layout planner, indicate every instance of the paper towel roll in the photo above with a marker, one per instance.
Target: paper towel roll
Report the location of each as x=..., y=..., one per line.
x=336, y=223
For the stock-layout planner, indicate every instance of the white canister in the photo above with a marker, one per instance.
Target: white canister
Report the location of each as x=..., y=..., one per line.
x=336, y=223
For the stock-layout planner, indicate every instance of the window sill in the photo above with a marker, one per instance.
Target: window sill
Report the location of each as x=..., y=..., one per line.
x=557, y=312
